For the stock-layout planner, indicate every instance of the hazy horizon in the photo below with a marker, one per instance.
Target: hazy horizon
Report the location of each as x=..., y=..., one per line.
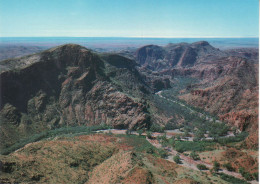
x=118, y=43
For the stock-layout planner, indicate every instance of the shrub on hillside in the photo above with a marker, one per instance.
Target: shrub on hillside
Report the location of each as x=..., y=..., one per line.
x=140, y=132
x=149, y=135
x=182, y=146
x=256, y=176
x=216, y=166
x=231, y=179
x=162, y=153
x=156, y=128
x=202, y=167
x=194, y=155
x=171, y=126
x=229, y=167
x=150, y=150
x=246, y=175
x=177, y=159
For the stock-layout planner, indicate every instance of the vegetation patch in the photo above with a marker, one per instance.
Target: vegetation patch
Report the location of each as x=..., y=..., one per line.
x=202, y=167
x=182, y=146
x=140, y=144
x=231, y=179
x=64, y=131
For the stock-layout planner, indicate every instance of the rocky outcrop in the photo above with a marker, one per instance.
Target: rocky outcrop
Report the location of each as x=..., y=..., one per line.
x=149, y=54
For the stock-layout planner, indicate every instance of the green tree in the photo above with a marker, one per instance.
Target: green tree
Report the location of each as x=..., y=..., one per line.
x=186, y=133
x=202, y=167
x=163, y=153
x=229, y=167
x=178, y=137
x=150, y=150
x=140, y=132
x=149, y=135
x=177, y=159
x=216, y=166
x=256, y=176
x=199, y=134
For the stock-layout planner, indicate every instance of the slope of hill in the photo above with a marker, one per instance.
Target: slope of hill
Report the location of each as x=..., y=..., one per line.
x=95, y=158
x=69, y=85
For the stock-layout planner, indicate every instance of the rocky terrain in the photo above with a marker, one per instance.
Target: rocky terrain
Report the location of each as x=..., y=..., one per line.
x=69, y=85
x=204, y=92
x=227, y=80
x=98, y=158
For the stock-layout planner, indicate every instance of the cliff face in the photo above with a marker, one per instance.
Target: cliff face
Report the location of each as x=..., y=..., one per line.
x=70, y=85
x=231, y=91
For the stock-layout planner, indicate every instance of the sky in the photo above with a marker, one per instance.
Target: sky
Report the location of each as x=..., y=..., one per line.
x=129, y=18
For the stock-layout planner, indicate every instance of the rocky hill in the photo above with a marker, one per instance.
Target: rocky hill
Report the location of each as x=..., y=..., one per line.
x=175, y=55
x=54, y=104
x=67, y=86
x=226, y=80
x=96, y=158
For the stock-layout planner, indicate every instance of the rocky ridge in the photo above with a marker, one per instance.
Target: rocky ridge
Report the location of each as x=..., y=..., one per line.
x=70, y=85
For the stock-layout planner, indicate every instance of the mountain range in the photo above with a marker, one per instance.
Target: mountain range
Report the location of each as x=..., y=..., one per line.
x=70, y=85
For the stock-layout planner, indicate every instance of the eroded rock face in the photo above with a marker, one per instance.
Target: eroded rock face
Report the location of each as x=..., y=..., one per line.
x=149, y=54
x=227, y=81
x=105, y=104
x=69, y=85
x=232, y=91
